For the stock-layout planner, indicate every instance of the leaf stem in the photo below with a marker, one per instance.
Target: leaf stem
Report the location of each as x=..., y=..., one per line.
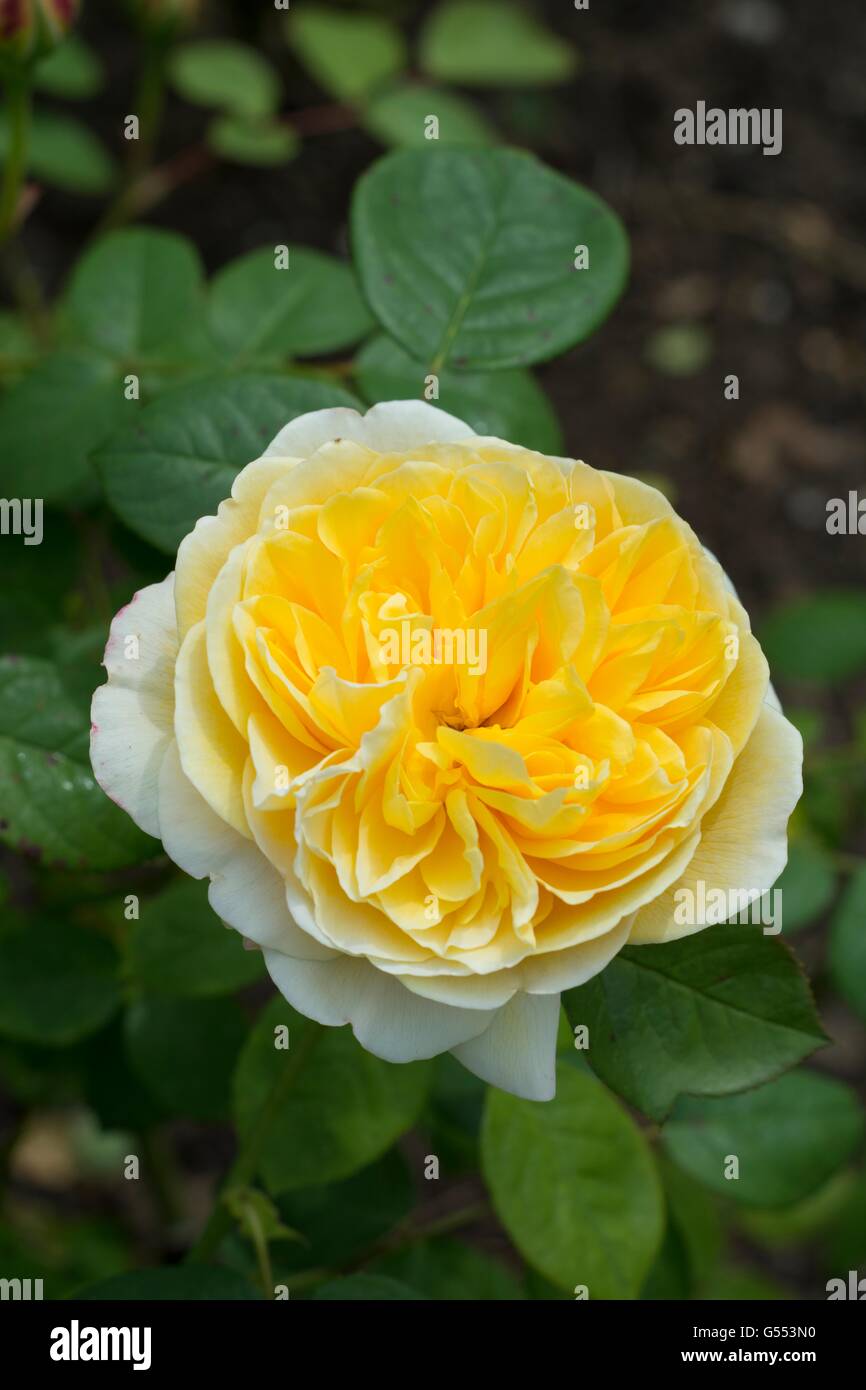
x=244, y=1167
x=149, y=105
x=19, y=106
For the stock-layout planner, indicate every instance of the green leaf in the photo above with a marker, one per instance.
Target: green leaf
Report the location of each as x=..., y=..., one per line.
x=451, y=1271
x=227, y=75
x=789, y=1138
x=493, y=43
x=821, y=638
x=574, y=1185
x=713, y=1013
x=312, y=307
x=178, y=459
x=181, y=1283
x=65, y=153
x=136, y=293
x=115, y=1092
x=71, y=70
x=807, y=885
x=185, y=1051
x=847, y=952
x=52, y=421
x=349, y=1105
x=179, y=946
x=57, y=983
x=366, y=1288
x=247, y=141
x=348, y=55
x=50, y=804
x=339, y=1219
x=510, y=404
x=399, y=116
x=468, y=256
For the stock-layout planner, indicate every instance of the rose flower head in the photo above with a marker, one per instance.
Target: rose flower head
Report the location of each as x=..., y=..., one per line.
x=447, y=723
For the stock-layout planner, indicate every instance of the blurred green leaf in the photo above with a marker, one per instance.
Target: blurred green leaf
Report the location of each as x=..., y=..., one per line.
x=493, y=43
x=807, y=884
x=179, y=946
x=789, y=1137
x=341, y=1219
x=349, y=55
x=183, y=1283
x=713, y=1013
x=574, y=1185
x=185, y=1050
x=247, y=141
x=452, y=1271
x=136, y=293
x=312, y=307
x=52, y=421
x=228, y=75
x=178, y=459
x=399, y=116
x=50, y=804
x=732, y=1283
x=367, y=1288
x=349, y=1105
x=116, y=1093
x=509, y=405
x=847, y=949
x=65, y=153
x=57, y=983
x=72, y=70
x=820, y=638
x=468, y=257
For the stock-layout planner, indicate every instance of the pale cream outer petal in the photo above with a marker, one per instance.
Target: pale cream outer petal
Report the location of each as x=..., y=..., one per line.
x=387, y=427
x=744, y=837
x=202, y=554
x=246, y=891
x=386, y=1019
x=517, y=1052
x=132, y=715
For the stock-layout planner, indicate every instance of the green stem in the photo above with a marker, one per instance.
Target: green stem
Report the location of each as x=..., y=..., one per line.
x=18, y=105
x=244, y=1167
x=149, y=104
x=263, y=1255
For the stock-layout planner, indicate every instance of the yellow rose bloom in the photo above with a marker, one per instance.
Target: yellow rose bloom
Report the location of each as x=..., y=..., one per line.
x=447, y=723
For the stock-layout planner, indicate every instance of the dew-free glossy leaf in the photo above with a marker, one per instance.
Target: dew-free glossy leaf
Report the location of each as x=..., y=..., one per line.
x=311, y=307
x=185, y=1050
x=713, y=1013
x=179, y=458
x=509, y=405
x=820, y=638
x=847, y=954
x=53, y=419
x=574, y=1185
x=137, y=293
x=467, y=257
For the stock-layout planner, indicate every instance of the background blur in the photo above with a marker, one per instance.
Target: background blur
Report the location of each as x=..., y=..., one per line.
x=742, y=264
